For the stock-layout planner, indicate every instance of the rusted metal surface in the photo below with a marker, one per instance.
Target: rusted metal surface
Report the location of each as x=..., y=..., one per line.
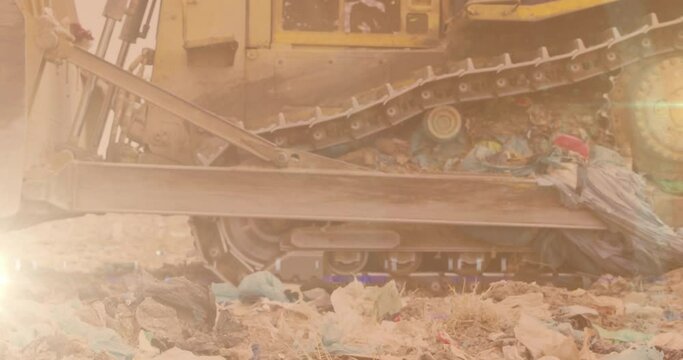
x=391, y=237
x=12, y=121
x=305, y=194
x=346, y=238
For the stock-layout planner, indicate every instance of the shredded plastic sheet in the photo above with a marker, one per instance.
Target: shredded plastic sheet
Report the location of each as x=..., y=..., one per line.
x=225, y=292
x=671, y=186
x=639, y=242
x=642, y=353
x=262, y=284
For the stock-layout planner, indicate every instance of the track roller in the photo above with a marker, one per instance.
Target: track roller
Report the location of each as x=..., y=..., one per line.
x=402, y=263
x=346, y=262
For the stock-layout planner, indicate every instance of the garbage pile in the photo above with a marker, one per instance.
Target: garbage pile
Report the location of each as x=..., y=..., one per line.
x=510, y=136
x=559, y=145
x=178, y=313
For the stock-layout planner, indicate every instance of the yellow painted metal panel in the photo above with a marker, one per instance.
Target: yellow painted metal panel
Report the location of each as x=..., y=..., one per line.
x=260, y=24
x=213, y=21
x=174, y=71
x=530, y=13
x=353, y=39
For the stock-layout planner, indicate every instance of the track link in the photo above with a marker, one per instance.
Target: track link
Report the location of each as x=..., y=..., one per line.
x=473, y=80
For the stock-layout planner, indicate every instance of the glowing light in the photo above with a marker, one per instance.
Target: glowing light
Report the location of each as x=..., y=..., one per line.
x=4, y=278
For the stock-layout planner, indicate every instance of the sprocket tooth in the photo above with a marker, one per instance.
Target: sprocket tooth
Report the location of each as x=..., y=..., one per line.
x=463, y=66
x=650, y=20
x=610, y=36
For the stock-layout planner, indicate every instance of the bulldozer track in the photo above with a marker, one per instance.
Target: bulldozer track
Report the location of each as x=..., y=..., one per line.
x=459, y=83
x=472, y=80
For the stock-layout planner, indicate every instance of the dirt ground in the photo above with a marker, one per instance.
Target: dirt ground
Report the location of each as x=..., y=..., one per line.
x=131, y=287
x=86, y=243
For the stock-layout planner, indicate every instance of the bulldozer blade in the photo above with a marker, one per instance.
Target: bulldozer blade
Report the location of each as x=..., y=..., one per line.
x=326, y=195
x=12, y=108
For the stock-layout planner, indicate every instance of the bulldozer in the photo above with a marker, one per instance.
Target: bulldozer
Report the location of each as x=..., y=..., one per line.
x=329, y=138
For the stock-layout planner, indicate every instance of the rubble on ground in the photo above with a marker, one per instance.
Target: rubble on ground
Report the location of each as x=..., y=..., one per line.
x=182, y=315
x=104, y=297
x=92, y=243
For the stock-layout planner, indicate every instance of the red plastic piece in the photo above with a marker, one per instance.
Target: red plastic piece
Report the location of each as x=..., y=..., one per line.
x=572, y=143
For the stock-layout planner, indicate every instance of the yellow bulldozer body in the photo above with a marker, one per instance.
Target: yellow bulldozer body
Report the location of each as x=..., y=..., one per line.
x=517, y=10
x=244, y=60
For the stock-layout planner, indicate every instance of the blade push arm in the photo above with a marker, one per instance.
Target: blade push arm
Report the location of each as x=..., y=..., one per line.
x=227, y=129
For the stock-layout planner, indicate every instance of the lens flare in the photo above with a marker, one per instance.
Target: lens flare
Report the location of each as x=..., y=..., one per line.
x=4, y=278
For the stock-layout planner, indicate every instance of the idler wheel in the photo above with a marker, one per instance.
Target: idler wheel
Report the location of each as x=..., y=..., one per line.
x=443, y=123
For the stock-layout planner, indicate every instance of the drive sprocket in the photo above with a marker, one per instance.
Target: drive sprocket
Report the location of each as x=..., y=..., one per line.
x=647, y=103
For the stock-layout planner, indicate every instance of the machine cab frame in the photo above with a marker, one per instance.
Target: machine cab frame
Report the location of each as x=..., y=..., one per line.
x=362, y=23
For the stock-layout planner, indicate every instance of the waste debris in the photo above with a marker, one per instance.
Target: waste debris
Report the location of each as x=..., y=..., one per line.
x=641, y=353
x=668, y=341
x=175, y=312
x=559, y=144
x=261, y=285
x=543, y=342
x=158, y=320
x=623, y=335
x=178, y=354
x=135, y=317
x=587, y=175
